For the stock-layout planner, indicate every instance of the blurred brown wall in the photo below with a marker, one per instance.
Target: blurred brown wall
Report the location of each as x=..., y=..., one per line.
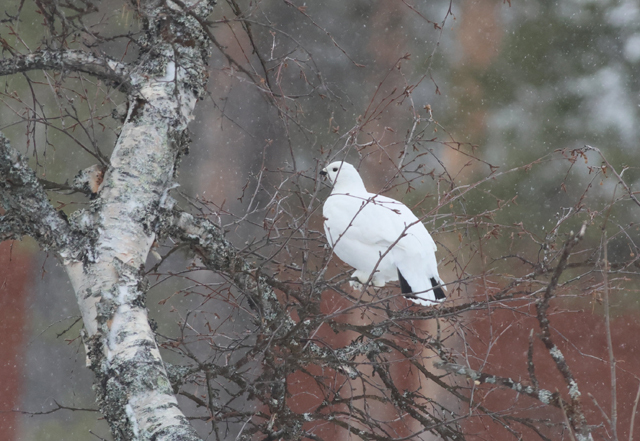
x=580, y=333
x=14, y=273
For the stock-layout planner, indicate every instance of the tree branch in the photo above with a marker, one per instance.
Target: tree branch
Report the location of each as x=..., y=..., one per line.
x=618, y=175
x=218, y=254
x=28, y=210
x=70, y=60
x=574, y=410
x=542, y=395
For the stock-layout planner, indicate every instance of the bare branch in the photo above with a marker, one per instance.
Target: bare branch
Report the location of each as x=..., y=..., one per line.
x=607, y=323
x=574, y=410
x=219, y=255
x=542, y=395
x=631, y=194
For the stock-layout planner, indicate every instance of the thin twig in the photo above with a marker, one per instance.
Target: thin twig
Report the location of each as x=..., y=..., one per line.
x=613, y=170
x=607, y=322
x=530, y=365
x=633, y=414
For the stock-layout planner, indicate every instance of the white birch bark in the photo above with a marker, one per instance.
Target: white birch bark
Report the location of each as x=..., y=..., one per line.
x=104, y=248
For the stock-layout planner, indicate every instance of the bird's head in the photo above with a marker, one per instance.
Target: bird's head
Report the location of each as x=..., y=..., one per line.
x=342, y=173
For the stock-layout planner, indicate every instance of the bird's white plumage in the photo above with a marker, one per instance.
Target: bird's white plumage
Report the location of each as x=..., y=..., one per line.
x=379, y=236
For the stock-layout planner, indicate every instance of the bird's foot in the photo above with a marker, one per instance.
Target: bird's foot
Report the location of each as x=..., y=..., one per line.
x=358, y=279
x=355, y=284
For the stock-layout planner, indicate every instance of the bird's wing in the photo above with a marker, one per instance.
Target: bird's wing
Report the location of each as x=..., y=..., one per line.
x=366, y=217
x=405, y=222
x=361, y=232
x=414, y=254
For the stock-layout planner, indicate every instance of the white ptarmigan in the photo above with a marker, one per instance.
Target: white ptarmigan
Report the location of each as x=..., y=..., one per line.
x=379, y=235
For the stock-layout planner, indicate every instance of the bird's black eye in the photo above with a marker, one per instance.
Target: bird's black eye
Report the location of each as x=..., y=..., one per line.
x=335, y=168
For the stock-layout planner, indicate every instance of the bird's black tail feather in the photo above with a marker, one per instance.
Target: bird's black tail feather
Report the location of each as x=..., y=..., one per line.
x=437, y=289
x=404, y=285
x=438, y=292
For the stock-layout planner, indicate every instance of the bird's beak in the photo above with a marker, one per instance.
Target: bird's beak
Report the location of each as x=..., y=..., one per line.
x=323, y=172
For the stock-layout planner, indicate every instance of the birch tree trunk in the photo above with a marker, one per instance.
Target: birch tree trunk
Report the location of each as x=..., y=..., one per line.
x=104, y=248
